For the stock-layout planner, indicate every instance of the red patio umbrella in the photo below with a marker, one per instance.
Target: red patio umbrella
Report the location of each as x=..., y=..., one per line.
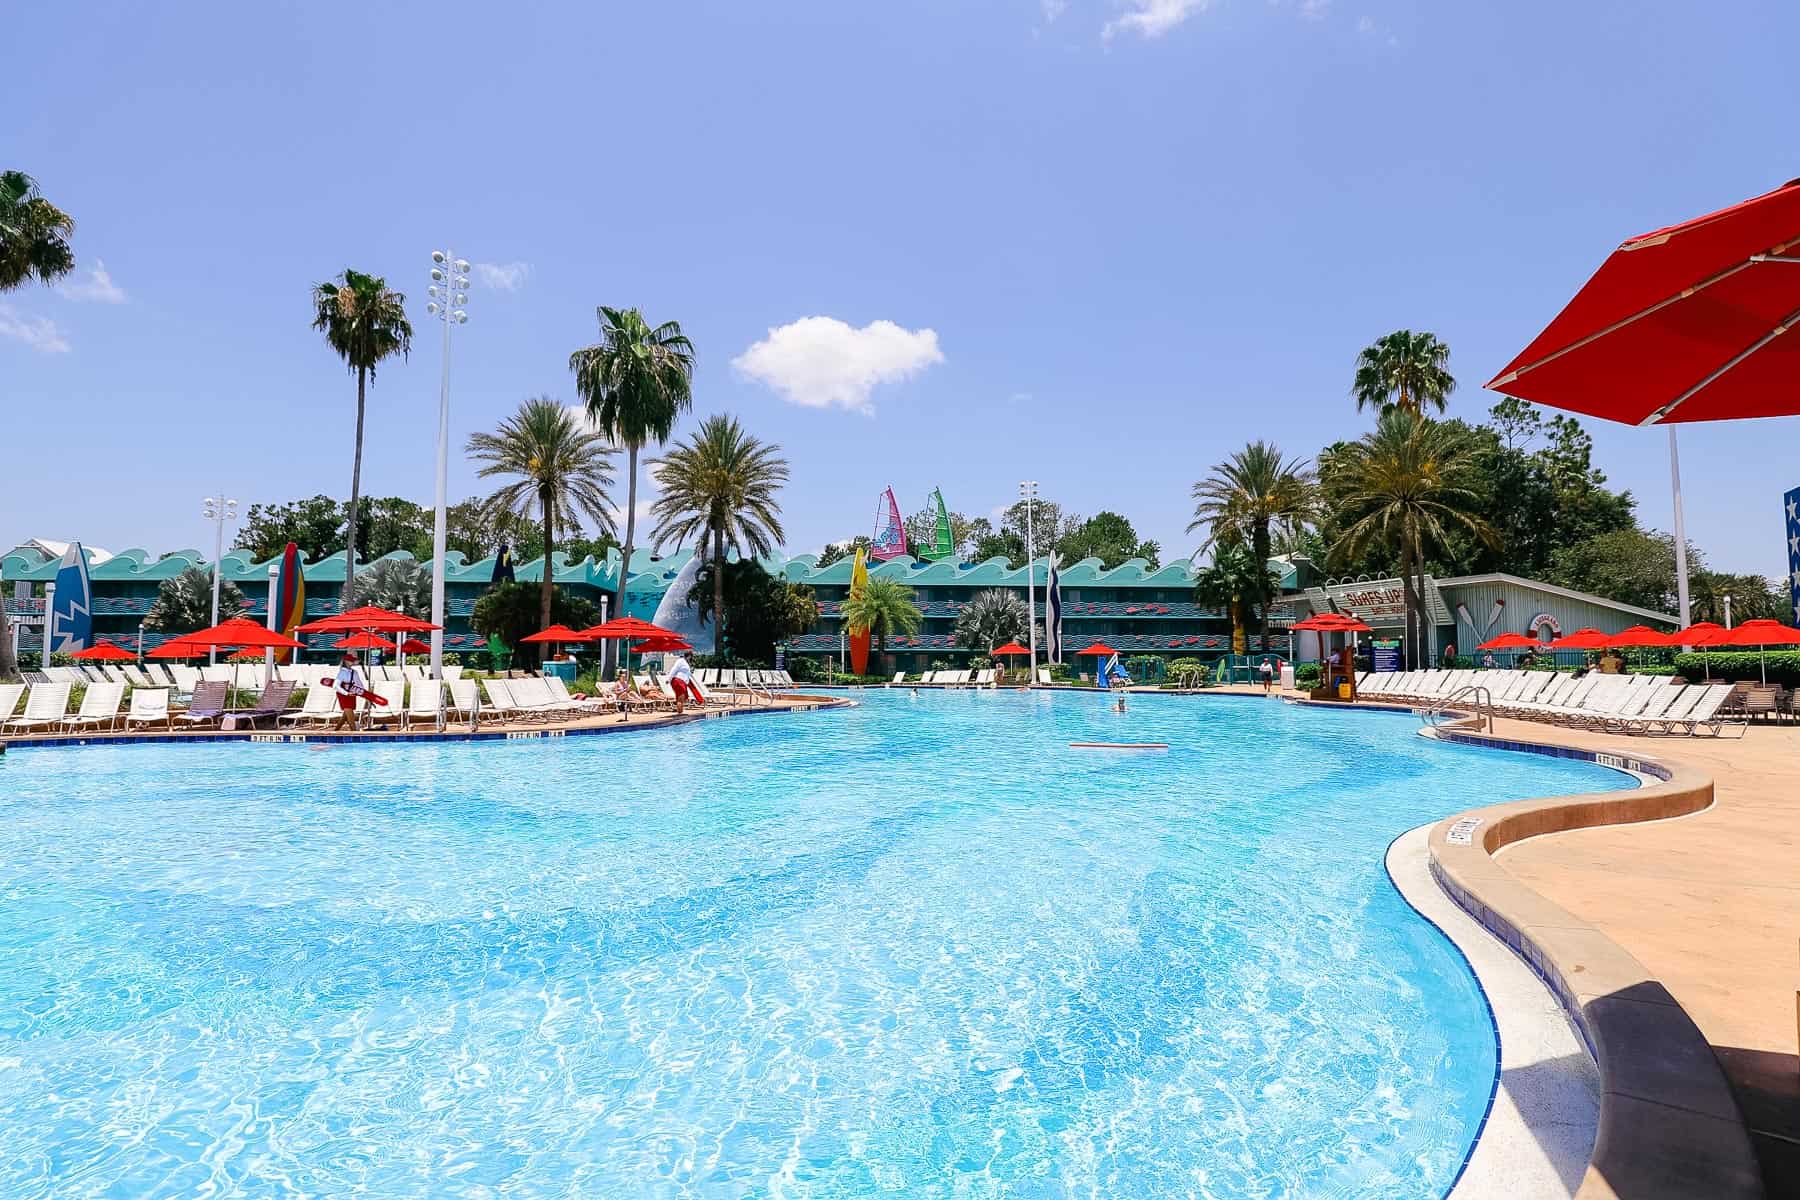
x=368, y=619
x=1761, y=634
x=1098, y=648
x=1510, y=641
x=177, y=648
x=662, y=645
x=625, y=629
x=557, y=635
x=414, y=646
x=240, y=632
x=1683, y=323
x=1638, y=635
x=104, y=652
x=363, y=641
x=1009, y=649
x=1581, y=639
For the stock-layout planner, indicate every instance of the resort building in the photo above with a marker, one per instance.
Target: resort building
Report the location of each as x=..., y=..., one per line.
x=1131, y=607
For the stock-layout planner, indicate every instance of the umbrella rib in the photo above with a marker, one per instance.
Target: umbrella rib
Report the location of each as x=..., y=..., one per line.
x=1712, y=377
x=1500, y=381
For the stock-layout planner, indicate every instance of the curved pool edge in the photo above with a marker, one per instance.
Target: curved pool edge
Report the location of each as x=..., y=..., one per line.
x=1537, y=1131
x=1669, y=1125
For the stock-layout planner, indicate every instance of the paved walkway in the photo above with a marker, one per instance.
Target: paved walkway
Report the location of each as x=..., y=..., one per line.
x=1710, y=904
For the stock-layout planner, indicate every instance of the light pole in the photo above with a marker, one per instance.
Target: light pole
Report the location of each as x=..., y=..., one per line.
x=217, y=509
x=1028, y=493
x=448, y=292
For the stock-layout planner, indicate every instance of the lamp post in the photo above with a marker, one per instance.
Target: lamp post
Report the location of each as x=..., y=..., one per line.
x=217, y=509
x=449, y=293
x=1028, y=493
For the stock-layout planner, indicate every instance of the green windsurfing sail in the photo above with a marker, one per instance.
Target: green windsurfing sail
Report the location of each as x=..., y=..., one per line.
x=942, y=546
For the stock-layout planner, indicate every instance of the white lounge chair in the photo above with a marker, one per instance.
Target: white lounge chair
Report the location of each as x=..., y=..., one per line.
x=9, y=700
x=99, y=707
x=159, y=675
x=497, y=700
x=185, y=678
x=47, y=705
x=559, y=692
x=216, y=673
x=394, y=692
x=1043, y=676
x=135, y=677
x=534, y=699
x=318, y=707
x=453, y=672
x=149, y=706
x=422, y=703
x=465, y=696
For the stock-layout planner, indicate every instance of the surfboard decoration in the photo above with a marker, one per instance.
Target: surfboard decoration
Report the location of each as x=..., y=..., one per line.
x=289, y=600
x=942, y=542
x=889, y=540
x=1053, y=614
x=70, y=621
x=859, y=638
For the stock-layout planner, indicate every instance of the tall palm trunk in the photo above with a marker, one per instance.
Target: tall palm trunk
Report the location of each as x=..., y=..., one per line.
x=349, y=600
x=630, y=536
x=9, y=663
x=718, y=590
x=547, y=590
x=1406, y=602
x=1259, y=546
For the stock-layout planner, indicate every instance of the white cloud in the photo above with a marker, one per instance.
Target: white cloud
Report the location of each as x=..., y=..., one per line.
x=502, y=277
x=98, y=287
x=1365, y=24
x=1314, y=10
x=1052, y=9
x=1153, y=18
x=40, y=333
x=820, y=362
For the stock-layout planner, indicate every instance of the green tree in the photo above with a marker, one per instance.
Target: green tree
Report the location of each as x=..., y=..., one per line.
x=1249, y=494
x=315, y=526
x=1407, y=484
x=921, y=529
x=557, y=468
x=34, y=234
x=398, y=586
x=1008, y=544
x=1048, y=526
x=1404, y=370
x=636, y=381
x=1631, y=566
x=392, y=523
x=720, y=486
x=1236, y=581
x=990, y=618
x=844, y=549
x=476, y=530
x=1110, y=538
x=509, y=610
x=760, y=609
x=184, y=603
x=364, y=322
x=885, y=607
x=1753, y=597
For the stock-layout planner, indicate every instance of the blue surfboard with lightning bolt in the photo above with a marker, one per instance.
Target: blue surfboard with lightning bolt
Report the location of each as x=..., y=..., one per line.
x=71, y=615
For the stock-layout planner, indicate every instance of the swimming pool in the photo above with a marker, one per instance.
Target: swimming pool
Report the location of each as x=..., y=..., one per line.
x=917, y=948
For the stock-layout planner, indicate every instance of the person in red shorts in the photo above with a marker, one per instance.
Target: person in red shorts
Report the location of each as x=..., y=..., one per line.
x=349, y=684
x=681, y=682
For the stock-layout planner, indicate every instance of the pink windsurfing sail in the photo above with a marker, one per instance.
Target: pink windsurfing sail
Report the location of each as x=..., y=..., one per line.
x=889, y=540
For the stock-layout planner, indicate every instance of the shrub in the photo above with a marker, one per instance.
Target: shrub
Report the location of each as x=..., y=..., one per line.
x=1733, y=665
x=1307, y=675
x=1179, y=665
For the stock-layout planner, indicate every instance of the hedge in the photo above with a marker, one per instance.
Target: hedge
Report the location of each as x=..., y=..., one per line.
x=1783, y=665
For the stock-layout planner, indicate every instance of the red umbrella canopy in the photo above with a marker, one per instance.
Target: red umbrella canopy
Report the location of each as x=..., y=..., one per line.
x=625, y=627
x=368, y=618
x=363, y=640
x=1679, y=324
x=662, y=645
x=557, y=634
x=241, y=631
x=1581, y=639
x=1758, y=633
x=178, y=648
x=414, y=646
x=1332, y=623
x=1009, y=648
x=1701, y=633
x=1638, y=635
x=1510, y=641
x=104, y=652
x=1098, y=648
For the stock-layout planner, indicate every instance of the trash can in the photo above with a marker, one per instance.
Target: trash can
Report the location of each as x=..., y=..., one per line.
x=1287, y=676
x=562, y=668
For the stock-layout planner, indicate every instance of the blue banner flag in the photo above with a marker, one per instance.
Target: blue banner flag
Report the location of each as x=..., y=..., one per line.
x=1790, y=504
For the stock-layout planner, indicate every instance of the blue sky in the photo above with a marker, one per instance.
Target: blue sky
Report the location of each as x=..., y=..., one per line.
x=1099, y=243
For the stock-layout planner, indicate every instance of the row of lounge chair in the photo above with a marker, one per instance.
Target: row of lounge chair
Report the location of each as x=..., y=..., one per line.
x=1611, y=703
x=986, y=678
x=103, y=707
x=245, y=677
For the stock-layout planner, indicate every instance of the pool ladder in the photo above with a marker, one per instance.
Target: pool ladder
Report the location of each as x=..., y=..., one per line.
x=1483, y=704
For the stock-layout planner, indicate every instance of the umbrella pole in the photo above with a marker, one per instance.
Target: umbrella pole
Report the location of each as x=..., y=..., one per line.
x=1681, y=567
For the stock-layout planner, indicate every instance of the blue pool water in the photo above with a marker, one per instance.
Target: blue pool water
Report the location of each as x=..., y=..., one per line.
x=916, y=949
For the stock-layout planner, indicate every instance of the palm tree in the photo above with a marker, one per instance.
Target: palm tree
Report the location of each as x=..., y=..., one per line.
x=885, y=606
x=558, y=467
x=1407, y=484
x=398, y=586
x=1403, y=370
x=184, y=602
x=989, y=618
x=365, y=322
x=720, y=483
x=34, y=234
x=1233, y=582
x=1247, y=494
x=636, y=381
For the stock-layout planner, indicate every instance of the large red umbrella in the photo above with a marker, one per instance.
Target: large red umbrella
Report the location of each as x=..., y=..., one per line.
x=1510, y=641
x=1761, y=634
x=363, y=641
x=662, y=645
x=624, y=629
x=1581, y=639
x=1638, y=635
x=104, y=652
x=1098, y=648
x=241, y=632
x=1009, y=649
x=1684, y=323
x=178, y=648
x=368, y=619
x=556, y=635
